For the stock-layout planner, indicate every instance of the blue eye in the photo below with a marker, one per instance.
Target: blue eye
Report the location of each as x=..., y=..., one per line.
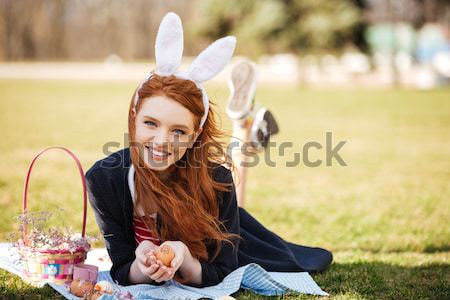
x=150, y=123
x=179, y=131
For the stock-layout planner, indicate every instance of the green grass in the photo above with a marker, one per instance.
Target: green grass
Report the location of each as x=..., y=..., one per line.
x=385, y=215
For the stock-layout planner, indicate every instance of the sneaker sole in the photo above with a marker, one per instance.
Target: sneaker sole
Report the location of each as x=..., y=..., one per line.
x=242, y=85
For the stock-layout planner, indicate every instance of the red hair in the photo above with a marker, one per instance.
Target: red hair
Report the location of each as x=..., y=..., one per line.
x=187, y=204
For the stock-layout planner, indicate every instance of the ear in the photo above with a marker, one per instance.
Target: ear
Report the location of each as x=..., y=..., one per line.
x=212, y=60
x=169, y=45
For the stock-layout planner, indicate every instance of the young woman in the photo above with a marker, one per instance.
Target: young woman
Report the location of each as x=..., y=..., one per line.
x=170, y=186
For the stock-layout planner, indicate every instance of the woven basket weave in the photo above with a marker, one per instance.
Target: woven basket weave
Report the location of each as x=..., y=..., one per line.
x=51, y=265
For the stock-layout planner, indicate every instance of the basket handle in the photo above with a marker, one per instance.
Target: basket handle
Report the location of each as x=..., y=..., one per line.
x=83, y=182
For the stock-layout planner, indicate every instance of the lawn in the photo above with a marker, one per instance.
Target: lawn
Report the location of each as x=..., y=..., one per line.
x=384, y=215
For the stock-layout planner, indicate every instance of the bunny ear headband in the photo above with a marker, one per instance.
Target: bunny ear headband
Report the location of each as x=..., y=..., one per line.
x=169, y=50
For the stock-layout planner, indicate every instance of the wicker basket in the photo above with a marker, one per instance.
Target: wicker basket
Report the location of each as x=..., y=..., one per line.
x=51, y=265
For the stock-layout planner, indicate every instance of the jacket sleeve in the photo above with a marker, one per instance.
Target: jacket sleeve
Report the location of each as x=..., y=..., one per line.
x=214, y=271
x=109, y=217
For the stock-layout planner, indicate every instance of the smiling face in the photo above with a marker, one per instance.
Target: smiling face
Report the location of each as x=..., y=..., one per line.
x=164, y=131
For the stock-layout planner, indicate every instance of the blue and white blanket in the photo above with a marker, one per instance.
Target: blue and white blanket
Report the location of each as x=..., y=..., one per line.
x=251, y=277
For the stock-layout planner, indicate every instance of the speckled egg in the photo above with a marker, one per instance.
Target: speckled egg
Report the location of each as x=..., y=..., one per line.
x=93, y=295
x=104, y=286
x=80, y=287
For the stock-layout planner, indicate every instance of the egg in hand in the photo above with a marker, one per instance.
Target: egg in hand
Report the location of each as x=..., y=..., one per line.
x=165, y=254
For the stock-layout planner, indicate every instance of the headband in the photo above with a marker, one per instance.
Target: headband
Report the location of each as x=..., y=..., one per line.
x=169, y=51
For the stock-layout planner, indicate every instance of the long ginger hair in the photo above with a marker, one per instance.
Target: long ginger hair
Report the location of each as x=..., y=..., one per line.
x=186, y=204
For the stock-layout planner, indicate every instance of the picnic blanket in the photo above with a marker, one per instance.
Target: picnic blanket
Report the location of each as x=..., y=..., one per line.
x=251, y=277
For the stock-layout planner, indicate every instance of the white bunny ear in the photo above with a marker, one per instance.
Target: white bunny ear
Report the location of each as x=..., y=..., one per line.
x=169, y=45
x=212, y=60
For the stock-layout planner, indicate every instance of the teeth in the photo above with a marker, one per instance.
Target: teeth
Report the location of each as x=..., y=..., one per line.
x=159, y=153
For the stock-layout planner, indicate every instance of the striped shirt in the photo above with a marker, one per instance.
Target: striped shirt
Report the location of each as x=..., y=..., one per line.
x=143, y=233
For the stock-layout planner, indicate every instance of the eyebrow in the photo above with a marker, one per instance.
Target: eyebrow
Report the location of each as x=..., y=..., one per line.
x=175, y=125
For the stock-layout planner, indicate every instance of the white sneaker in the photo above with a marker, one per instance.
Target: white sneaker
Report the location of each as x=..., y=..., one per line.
x=242, y=85
x=264, y=126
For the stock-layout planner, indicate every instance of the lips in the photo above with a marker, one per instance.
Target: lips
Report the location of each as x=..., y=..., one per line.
x=158, y=154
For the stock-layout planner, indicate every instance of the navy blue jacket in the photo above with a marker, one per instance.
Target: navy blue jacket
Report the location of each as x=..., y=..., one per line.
x=110, y=198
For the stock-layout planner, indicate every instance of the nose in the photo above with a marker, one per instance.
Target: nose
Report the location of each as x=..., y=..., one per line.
x=162, y=138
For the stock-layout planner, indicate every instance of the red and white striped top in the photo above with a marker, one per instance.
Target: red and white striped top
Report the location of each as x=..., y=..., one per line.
x=143, y=233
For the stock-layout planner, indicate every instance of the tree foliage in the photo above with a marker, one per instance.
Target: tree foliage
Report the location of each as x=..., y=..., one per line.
x=93, y=29
x=269, y=26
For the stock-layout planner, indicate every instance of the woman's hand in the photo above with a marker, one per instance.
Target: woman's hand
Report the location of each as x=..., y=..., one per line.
x=162, y=272
x=180, y=249
x=143, y=262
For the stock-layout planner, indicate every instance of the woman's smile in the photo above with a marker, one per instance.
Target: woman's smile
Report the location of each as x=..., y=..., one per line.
x=158, y=155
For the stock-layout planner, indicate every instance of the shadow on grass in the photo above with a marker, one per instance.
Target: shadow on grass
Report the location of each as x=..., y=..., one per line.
x=12, y=287
x=379, y=280
x=435, y=249
x=429, y=249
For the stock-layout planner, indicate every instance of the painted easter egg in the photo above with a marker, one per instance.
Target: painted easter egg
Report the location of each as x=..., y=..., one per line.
x=93, y=295
x=80, y=287
x=104, y=286
x=165, y=254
